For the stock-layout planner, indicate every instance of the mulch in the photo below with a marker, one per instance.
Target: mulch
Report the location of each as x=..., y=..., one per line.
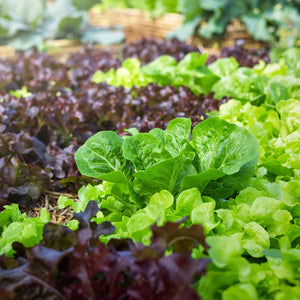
x=49, y=201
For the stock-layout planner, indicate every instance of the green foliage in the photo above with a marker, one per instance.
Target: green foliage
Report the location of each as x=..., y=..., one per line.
x=254, y=233
x=278, y=133
x=267, y=212
x=152, y=174
x=22, y=93
x=23, y=26
x=272, y=21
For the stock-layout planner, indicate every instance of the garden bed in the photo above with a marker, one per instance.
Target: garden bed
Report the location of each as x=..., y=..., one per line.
x=188, y=163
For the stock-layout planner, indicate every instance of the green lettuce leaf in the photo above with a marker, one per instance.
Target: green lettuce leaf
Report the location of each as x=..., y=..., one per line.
x=15, y=226
x=226, y=148
x=102, y=157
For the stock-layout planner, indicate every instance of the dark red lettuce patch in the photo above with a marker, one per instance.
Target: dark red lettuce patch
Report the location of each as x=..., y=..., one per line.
x=37, y=71
x=75, y=265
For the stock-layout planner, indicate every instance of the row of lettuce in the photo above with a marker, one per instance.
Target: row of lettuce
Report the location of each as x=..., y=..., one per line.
x=239, y=175
x=265, y=83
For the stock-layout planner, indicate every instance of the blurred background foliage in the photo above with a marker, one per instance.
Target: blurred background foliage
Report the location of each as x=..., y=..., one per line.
x=24, y=23
x=267, y=20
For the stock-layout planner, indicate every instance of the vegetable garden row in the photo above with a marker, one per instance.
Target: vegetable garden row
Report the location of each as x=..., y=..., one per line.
x=180, y=172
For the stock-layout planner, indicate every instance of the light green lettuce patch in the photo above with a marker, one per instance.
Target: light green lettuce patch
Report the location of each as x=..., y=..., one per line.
x=234, y=277
x=17, y=227
x=277, y=131
x=264, y=84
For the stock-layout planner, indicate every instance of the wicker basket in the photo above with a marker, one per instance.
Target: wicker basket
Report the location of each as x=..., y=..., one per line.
x=137, y=25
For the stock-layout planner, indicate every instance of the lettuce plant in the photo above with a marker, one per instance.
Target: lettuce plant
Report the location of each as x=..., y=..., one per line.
x=253, y=236
x=277, y=131
x=146, y=172
x=219, y=160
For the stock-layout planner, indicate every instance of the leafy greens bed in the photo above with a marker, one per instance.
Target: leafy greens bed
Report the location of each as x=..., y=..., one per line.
x=254, y=235
x=236, y=173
